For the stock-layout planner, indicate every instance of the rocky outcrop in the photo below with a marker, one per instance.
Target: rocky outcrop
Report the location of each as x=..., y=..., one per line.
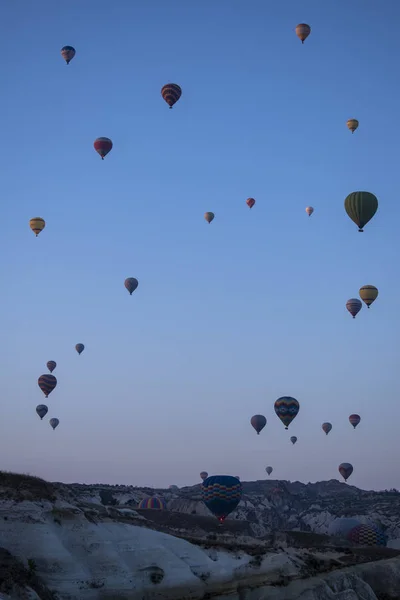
x=73, y=542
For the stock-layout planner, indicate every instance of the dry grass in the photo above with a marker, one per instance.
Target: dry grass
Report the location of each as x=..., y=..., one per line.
x=19, y=487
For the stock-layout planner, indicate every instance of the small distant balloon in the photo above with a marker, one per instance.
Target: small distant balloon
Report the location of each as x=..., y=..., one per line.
x=209, y=216
x=368, y=294
x=79, y=348
x=269, y=470
x=41, y=410
x=37, y=224
x=354, y=420
x=54, y=423
x=173, y=487
x=309, y=210
x=352, y=124
x=250, y=202
x=102, y=146
x=354, y=306
x=51, y=365
x=345, y=469
x=203, y=475
x=258, y=422
x=361, y=207
x=171, y=92
x=326, y=427
x=47, y=383
x=293, y=439
x=303, y=31
x=131, y=284
x=68, y=53
x=286, y=409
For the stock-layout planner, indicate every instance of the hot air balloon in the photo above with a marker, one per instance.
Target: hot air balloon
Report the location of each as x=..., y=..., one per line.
x=354, y=306
x=221, y=494
x=345, y=469
x=203, y=475
x=79, y=348
x=326, y=427
x=171, y=92
x=41, y=410
x=131, y=284
x=68, y=53
x=209, y=216
x=286, y=408
x=54, y=423
x=303, y=31
x=155, y=502
x=367, y=535
x=51, y=365
x=250, y=202
x=258, y=422
x=47, y=383
x=352, y=124
x=37, y=224
x=293, y=439
x=361, y=207
x=368, y=294
x=341, y=527
x=354, y=420
x=309, y=210
x=269, y=470
x=102, y=146
x=173, y=487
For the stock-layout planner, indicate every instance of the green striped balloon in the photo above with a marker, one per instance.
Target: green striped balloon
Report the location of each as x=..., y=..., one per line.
x=361, y=207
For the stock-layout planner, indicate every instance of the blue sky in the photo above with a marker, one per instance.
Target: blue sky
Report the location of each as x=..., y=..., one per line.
x=229, y=316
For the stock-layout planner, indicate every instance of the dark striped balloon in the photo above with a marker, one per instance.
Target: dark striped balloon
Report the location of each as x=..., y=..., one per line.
x=221, y=494
x=47, y=383
x=171, y=92
x=102, y=146
x=286, y=409
x=361, y=207
x=354, y=306
x=68, y=53
x=51, y=365
x=367, y=535
x=155, y=502
x=79, y=348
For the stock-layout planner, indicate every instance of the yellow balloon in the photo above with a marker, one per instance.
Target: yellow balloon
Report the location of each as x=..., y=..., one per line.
x=37, y=224
x=352, y=124
x=368, y=294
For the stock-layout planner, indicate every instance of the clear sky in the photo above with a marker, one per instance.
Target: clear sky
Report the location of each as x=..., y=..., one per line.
x=229, y=316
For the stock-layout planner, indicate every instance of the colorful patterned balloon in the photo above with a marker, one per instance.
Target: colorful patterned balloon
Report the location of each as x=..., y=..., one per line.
x=221, y=495
x=42, y=410
x=68, y=53
x=155, y=502
x=37, y=224
x=354, y=306
x=345, y=469
x=352, y=124
x=287, y=409
x=258, y=422
x=309, y=210
x=51, y=365
x=354, y=420
x=367, y=535
x=250, y=202
x=368, y=294
x=303, y=31
x=102, y=146
x=326, y=427
x=171, y=92
x=47, y=383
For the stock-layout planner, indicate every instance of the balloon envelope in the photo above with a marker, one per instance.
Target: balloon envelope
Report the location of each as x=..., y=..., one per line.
x=269, y=470
x=47, y=383
x=131, y=284
x=221, y=494
x=102, y=146
x=209, y=216
x=51, y=365
x=68, y=53
x=354, y=306
x=352, y=124
x=293, y=439
x=361, y=207
x=42, y=410
x=37, y=224
x=309, y=210
x=250, y=202
x=286, y=408
x=171, y=92
x=326, y=427
x=258, y=422
x=155, y=502
x=345, y=469
x=368, y=294
x=54, y=423
x=367, y=535
x=303, y=31
x=354, y=420
x=203, y=475
x=79, y=348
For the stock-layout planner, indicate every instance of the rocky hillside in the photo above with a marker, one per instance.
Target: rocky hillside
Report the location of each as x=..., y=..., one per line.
x=267, y=506
x=76, y=542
